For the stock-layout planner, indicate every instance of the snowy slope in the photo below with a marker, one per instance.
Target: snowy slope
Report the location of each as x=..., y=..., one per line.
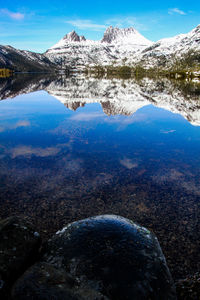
x=166, y=49
x=121, y=47
x=76, y=51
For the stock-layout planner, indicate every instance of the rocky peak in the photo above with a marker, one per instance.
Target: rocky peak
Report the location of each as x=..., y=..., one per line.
x=123, y=36
x=74, y=37
x=113, y=33
x=82, y=38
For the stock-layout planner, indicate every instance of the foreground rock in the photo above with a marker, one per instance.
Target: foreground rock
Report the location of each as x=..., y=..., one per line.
x=105, y=257
x=19, y=244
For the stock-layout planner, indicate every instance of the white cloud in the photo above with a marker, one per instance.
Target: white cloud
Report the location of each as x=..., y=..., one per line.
x=21, y=123
x=167, y=131
x=86, y=24
x=86, y=116
x=171, y=11
x=128, y=163
x=29, y=150
x=12, y=15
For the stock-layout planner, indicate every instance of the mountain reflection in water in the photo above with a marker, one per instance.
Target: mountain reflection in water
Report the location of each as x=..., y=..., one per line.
x=116, y=146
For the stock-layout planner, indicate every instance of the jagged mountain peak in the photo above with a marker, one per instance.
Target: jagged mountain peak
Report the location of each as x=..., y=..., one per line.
x=69, y=38
x=124, y=36
x=113, y=33
x=121, y=30
x=74, y=37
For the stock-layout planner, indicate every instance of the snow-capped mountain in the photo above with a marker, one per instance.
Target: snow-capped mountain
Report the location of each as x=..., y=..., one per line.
x=122, y=47
x=116, y=45
x=163, y=51
x=116, y=96
x=75, y=51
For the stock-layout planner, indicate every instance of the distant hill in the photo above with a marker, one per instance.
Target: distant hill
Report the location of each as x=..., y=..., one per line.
x=24, y=61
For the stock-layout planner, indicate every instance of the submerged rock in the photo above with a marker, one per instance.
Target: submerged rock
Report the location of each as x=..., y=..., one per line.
x=43, y=281
x=104, y=257
x=18, y=247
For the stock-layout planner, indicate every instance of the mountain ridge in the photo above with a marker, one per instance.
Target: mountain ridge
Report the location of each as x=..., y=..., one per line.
x=118, y=47
x=125, y=46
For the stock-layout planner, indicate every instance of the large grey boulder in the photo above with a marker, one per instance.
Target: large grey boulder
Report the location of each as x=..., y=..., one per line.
x=104, y=257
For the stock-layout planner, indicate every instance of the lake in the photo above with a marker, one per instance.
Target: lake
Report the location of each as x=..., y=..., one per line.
x=74, y=147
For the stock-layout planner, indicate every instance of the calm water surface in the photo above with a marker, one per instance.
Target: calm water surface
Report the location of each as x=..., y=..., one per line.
x=76, y=147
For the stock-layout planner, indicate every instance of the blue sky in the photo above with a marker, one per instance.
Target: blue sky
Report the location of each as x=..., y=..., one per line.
x=38, y=25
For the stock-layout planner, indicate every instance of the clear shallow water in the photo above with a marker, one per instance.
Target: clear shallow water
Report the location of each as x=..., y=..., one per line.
x=118, y=152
